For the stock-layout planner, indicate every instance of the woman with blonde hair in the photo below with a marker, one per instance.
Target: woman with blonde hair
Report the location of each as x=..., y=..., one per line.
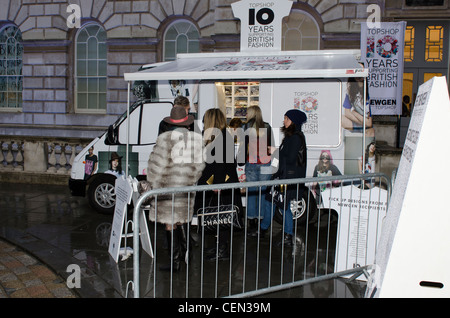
x=212, y=120
x=220, y=168
x=258, y=139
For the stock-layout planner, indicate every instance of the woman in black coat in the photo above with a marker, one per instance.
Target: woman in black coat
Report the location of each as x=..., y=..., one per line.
x=220, y=168
x=292, y=165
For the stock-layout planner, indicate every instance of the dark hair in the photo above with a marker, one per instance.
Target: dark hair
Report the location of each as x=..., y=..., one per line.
x=366, y=156
x=119, y=166
x=235, y=123
x=181, y=101
x=289, y=131
x=353, y=89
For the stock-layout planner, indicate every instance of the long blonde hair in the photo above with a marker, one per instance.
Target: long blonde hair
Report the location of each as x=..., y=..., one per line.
x=213, y=118
x=255, y=118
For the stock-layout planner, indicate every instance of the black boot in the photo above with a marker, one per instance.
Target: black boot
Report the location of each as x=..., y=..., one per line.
x=222, y=254
x=261, y=233
x=181, y=231
x=252, y=227
x=174, y=252
x=287, y=240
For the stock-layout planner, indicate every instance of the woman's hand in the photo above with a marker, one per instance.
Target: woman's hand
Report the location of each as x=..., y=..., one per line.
x=271, y=149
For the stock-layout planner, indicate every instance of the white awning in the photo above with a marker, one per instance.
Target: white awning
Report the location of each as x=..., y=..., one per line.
x=243, y=66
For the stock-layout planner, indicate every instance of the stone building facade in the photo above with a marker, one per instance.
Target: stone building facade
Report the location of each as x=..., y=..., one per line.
x=45, y=85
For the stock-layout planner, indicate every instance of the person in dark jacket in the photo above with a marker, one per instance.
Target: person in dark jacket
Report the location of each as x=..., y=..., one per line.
x=220, y=168
x=292, y=165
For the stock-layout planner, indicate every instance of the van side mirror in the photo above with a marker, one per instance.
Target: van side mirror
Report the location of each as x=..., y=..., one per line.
x=111, y=136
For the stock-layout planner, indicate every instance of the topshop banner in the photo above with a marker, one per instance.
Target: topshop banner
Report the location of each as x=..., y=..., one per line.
x=382, y=53
x=261, y=23
x=321, y=104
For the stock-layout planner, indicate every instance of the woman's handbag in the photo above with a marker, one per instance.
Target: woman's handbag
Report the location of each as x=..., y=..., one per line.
x=223, y=215
x=276, y=195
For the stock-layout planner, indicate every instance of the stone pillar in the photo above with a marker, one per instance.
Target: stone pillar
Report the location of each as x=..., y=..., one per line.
x=34, y=157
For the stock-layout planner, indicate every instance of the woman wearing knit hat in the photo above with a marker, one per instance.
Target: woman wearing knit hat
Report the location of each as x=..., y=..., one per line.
x=292, y=165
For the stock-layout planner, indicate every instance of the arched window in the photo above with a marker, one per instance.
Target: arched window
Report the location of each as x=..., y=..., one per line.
x=90, y=70
x=300, y=32
x=11, y=79
x=180, y=37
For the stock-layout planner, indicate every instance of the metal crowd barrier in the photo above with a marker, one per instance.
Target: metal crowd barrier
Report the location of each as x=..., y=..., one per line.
x=339, y=240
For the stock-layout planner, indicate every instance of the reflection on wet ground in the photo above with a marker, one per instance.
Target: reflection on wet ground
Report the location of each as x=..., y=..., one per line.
x=62, y=230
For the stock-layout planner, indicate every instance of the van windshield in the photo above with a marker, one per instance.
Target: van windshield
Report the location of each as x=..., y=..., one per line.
x=132, y=108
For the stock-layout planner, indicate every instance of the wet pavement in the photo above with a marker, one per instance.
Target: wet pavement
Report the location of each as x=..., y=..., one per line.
x=47, y=235
x=23, y=276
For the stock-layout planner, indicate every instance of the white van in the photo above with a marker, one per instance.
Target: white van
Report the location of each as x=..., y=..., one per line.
x=312, y=81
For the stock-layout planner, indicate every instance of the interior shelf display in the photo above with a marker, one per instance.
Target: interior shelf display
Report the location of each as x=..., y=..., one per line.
x=239, y=96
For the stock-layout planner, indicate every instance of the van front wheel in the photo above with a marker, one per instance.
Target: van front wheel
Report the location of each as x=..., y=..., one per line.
x=102, y=194
x=302, y=210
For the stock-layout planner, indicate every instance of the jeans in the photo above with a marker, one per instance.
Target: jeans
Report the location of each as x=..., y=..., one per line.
x=269, y=211
x=255, y=172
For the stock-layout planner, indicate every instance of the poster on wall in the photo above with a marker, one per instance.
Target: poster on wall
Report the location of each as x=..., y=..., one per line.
x=356, y=113
x=261, y=23
x=382, y=53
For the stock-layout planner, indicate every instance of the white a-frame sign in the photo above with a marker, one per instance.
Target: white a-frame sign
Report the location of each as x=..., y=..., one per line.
x=124, y=192
x=413, y=258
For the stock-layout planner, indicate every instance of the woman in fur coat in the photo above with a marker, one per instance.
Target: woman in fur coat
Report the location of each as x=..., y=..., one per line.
x=176, y=161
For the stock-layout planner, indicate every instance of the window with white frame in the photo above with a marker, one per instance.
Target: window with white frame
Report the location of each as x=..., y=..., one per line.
x=11, y=79
x=300, y=32
x=90, y=69
x=180, y=37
